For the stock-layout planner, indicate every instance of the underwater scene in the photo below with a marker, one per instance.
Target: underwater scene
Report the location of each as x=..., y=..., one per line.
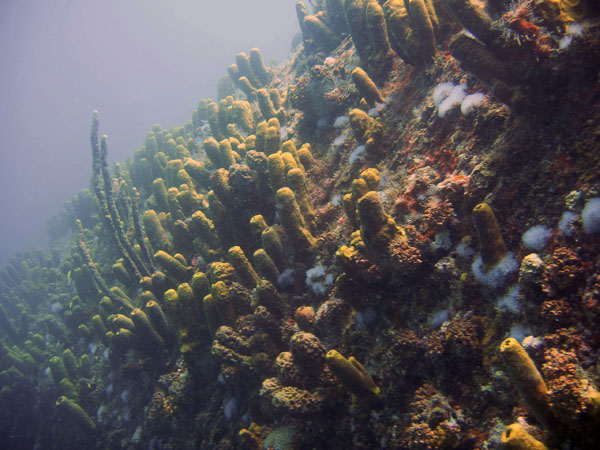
x=391, y=240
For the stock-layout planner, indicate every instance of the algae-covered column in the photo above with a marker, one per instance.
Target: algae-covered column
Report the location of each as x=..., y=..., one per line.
x=89, y=263
x=102, y=183
x=139, y=231
x=97, y=181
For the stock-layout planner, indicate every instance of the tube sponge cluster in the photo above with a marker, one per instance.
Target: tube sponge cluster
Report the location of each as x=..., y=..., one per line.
x=229, y=270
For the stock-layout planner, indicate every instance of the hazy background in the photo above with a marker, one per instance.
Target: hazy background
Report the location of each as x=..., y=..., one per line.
x=139, y=62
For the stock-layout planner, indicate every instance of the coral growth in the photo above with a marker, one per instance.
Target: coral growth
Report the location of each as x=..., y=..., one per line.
x=210, y=291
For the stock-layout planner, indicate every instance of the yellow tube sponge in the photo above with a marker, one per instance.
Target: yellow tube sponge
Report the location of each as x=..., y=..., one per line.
x=160, y=283
x=212, y=111
x=58, y=371
x=158, y=318
x=557, y=13
x=335, y=15
x=272, y=244
x=250, y=143
x=490, y=239
x=301, y=14
x=171, y=301
x=265, y=104
x=305, y=156
x=354, y=11
x=244, y=271
x=261, y=134
x=204, y=228
x=249, y=438
x=226, y=154
x=491, y=70
x=170, y=146
x=121, y=298
x=146, y=283
x=150, y=337
x=243, y=63
x=274, y=122
x=124, y=339
x=232, y=132
x=257, y=224
x=399, y=27
x=258, y=66
x=120, y=272
x=360, y=123
x=223, y=304
x=187, y=307
x=276, y=99
x=289, y=162
x=377, y=229
x=265, y=265
x=220, y=219
x=76, y=413
x=68, y=389
x=367, y=87
x=289, y=147
x=223, y=114
x=473, y=17
x=527, y=380
x=303, y=243
x=213, y=322
x=352, y=374
x=234, y=74
x=182, y=152
x=246, y=86
x=84, y=365
x=411, y=26
x=200, y=288
x=297, y=182
x=272, y=140
x=221, y=186
x=320, y=33
x=371, y=178
x=156, y=233
x=242, y=115
x=159, y=162
x=350, y=209
x=172, y=266
x=174, y=206
x=423, y=17
x=70, y=362
x=184, y=178
x=118, y=321
x=107, y=305
x=515, y=437
x=211, y=148
x=189, y=200
x=381, y=52
x=99, y=327
x=276, y=169
x=358, y=189
x=197, y=171
x=221, y=271
x=159, y=189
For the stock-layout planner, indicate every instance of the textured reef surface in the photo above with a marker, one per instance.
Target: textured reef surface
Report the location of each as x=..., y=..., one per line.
x=389, y=241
